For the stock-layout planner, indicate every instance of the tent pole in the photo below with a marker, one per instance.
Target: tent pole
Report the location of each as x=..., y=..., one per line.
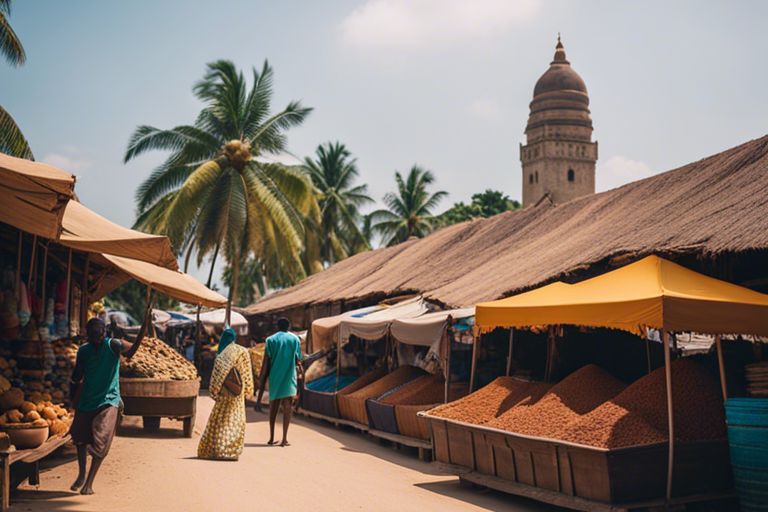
x=721, y=364
x=670, y=415
x=30, y=277
x=45, y=275
x=68, y=294
x=338, y=356
x=509, y=354
x=475, y=342
x=84, y=294
x=550, y=353
x=449, y=341
x=17, y=284
x=648, y=352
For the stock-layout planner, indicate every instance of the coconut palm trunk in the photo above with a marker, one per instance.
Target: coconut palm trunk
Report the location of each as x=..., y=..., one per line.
x=233, y=286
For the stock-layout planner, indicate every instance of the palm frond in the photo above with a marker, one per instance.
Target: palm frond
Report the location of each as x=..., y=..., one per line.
x=10, y=45
x=12, y=141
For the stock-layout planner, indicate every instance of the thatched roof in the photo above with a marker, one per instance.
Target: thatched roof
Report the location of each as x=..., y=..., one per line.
x=716, y=205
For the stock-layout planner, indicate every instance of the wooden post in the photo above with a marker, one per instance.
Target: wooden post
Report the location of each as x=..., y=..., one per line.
x=721, y=364
x=68, y=288
x=475, y=342
x=670, y=415
x=148, y=314
x=338, y=356
x=30, y=277
x=84, y=294
x=509, y=354
x=44, y=284
x=550, y=353
x=448, y=336
x=20, y=247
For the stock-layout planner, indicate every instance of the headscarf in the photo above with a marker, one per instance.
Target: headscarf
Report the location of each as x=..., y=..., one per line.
x=227, y=338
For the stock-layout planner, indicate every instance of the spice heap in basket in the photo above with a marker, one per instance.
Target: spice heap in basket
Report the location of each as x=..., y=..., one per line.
x=590, y=407
x=156, y=360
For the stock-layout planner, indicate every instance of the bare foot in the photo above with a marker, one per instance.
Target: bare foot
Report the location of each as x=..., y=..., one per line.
x=86, y=490
x=285, y=443
x=78, y=484
x=271, y=442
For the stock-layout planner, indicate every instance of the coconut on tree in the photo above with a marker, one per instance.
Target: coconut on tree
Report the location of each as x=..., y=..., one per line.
x=215, y=194
x=409, y=211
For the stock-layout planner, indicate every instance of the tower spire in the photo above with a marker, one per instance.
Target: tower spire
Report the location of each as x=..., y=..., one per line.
x=559, y=52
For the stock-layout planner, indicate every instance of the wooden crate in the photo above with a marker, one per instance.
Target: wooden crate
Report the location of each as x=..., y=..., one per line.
x=410, y=424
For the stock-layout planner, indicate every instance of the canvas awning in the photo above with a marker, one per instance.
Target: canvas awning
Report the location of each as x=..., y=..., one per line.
x=650, y=293
x=33, y=195
x=215, y=320
x=86, y=230
x=426, y=330
x=173, y=283
x=325, y=331
x=375, y=325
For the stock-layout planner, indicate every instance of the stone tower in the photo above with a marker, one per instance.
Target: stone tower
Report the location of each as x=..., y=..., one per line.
x=559, y=157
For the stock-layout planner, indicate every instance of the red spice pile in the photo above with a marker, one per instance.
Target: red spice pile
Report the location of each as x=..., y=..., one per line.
x=639, y=415
x=566, y=402
x=492, y=400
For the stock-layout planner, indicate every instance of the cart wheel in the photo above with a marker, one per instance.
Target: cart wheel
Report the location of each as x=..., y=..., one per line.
x=189, y=425
x=151, y=423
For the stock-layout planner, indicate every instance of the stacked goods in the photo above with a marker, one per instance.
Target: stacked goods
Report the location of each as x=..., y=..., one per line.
x=420, y=395
x=38, y=410
x=489, y=402
x=352, y=405
x=156, y=360
x=757, y=379
x=638, y=415
x=257, y=358
x=565, y=403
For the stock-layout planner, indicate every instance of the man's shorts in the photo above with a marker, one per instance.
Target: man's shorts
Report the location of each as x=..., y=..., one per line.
x=95, y=429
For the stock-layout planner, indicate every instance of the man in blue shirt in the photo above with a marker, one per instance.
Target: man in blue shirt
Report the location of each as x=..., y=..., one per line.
x=282, y=359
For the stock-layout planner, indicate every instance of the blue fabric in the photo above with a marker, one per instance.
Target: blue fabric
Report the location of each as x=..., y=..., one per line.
x=227, y=338
x=327, y=383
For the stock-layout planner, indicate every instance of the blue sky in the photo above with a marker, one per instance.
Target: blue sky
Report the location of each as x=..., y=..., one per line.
x=442, y=83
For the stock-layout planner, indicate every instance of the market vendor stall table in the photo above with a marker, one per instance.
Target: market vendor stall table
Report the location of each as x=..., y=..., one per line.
x=30, y=456
x=154, y=399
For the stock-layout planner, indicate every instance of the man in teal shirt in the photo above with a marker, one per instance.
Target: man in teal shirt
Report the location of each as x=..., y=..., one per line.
x=95, y=392
x=282, y=359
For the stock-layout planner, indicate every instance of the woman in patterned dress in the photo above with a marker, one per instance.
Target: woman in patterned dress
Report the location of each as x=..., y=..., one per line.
x=224, y=434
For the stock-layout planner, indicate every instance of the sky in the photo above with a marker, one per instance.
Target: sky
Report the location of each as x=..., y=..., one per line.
x=440, y=83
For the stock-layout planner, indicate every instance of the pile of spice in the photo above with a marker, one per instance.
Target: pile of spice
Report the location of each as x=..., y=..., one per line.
x=564, y=403
x=492, y=400
x=155, y=359
x=352, y=405
x=639, y=415
x=425, y=390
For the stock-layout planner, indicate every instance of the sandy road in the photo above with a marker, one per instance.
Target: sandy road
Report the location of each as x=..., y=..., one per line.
x=325, y=469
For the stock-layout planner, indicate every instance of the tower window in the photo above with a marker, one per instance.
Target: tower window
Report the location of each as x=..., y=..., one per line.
x=571, y=175
x=530, y=178
x=537, y=176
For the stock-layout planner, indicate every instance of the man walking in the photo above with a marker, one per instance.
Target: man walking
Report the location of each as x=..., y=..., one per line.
x=282, y=359
x=96, y=402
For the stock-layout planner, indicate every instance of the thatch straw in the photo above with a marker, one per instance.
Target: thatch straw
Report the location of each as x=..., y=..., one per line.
x=712, y=206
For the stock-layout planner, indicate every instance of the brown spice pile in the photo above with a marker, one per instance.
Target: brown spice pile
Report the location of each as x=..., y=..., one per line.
x=639, y=414
x=390, y=381
x=488, y=402
x=156, y=360
x=566, y=402
x=426, y=390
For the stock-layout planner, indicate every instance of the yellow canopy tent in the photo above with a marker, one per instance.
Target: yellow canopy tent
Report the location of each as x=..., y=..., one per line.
x=86, y=230
x=33, y=195
x=651, y=293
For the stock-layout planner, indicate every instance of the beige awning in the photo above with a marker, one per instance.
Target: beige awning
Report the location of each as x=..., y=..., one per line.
x=173, y=283
x=426, y=330
x=325, y=331
x=376, y=325
x=86, y=230
x=33, y=195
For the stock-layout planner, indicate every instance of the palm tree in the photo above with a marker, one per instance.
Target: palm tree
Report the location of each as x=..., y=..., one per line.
x=12, y=141
x=333, y=173
x=409, y=212
x=214, y=192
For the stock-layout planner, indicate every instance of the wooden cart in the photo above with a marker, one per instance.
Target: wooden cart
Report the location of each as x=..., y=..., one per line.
x=153, y=399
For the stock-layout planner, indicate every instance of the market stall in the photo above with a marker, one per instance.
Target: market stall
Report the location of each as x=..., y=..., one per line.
x=625, y=444
x=214, y=321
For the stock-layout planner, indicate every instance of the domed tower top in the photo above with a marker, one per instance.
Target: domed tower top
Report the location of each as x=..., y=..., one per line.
x=559, y=156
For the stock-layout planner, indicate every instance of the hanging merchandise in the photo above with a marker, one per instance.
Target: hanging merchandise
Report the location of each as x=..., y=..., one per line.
x=25, y=312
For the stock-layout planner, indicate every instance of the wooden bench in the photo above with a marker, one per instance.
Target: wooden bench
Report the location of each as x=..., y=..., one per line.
x=31, y=456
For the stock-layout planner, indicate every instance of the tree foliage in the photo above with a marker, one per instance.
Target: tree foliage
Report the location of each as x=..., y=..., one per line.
x=483, y=204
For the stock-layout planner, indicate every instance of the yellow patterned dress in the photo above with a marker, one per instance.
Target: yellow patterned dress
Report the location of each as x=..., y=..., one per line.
x=224, y=434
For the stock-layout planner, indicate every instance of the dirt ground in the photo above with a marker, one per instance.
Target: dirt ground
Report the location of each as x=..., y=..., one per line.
x=325, y=469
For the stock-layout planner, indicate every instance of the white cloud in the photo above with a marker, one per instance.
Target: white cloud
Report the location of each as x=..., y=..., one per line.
x=69, y=159
x=619, y=170
x=431, y=23
x=484, y=109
